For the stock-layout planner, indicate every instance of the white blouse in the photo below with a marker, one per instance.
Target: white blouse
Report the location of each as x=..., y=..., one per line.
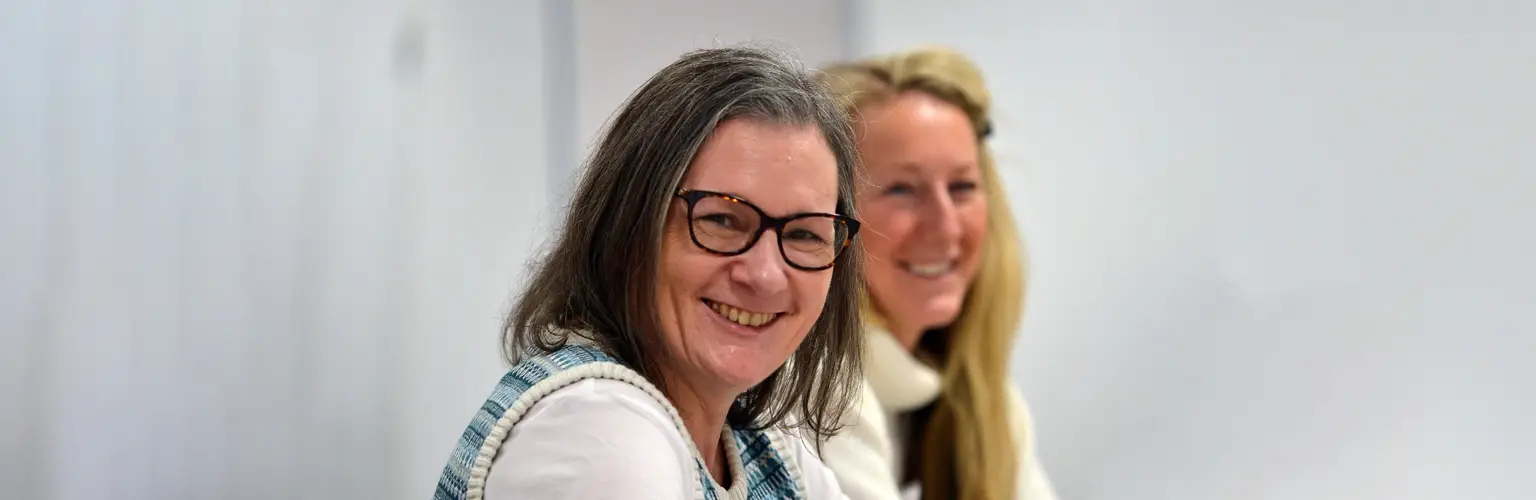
x=867, y=454
x=602, y=438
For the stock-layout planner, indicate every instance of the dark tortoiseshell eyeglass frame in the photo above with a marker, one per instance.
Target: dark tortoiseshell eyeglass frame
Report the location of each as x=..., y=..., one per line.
x=766, y=222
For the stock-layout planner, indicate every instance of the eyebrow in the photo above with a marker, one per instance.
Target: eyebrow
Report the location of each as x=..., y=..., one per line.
x=914, y=169
x=835, y=202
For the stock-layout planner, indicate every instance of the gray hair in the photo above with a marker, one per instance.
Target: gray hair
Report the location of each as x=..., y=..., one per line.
x=600, y=275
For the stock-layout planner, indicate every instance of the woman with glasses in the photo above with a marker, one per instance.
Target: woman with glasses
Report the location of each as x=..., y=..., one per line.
x=939, y=417
x=701, y=298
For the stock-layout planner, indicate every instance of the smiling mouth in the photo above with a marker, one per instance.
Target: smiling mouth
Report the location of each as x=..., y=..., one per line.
x=740, y=316
x=929, y=269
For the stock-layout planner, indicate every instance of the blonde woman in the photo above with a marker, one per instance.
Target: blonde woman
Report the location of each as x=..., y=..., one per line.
x=939, y=418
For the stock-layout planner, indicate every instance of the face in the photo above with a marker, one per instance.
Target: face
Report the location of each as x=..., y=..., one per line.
x=729, y=322
x=923, y=211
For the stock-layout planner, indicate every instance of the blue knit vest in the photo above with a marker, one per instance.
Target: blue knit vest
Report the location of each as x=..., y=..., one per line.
x=764, y=468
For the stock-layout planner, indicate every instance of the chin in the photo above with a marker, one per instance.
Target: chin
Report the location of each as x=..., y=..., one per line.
x=941, y=312
x=741, y=366
x=741, y=376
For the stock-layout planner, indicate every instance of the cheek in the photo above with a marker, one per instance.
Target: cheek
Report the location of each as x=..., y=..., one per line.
x=884, y=231
x=681, y=272
x=689, y=271
x=887, y=229
x=671, y=260
x=973, y=221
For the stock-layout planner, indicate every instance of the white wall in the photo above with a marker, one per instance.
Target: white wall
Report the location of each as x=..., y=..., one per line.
x=484, y=208
x=1281, y=249
x=615, y=54
x=257, y=249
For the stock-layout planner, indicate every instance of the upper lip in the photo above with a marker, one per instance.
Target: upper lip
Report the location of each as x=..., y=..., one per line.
x=947, y=257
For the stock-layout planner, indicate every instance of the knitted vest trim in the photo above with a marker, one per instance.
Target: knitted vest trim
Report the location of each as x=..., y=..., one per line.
x=592, y=364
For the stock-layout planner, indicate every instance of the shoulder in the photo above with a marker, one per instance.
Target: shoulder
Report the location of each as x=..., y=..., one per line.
x=1021, y=420
x=865, y=420
x=864, y=427
x=595, y=438
x=861, y=456
x=1033, y=484
x=816, y=480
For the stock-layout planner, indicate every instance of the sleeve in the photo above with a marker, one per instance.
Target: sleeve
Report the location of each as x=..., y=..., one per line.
x=1032, y=483
x=861, y=456
x=593, y=439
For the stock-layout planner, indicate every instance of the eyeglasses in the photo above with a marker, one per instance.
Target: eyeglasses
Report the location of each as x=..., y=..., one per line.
x=727, y=225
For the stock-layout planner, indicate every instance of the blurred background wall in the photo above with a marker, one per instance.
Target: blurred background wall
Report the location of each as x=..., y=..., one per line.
x=261, y=249
x=257, y=249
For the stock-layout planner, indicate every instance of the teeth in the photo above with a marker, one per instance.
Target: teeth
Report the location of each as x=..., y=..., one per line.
x=930, y=270
x=741, y=317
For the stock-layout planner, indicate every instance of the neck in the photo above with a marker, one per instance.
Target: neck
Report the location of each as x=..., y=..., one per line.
x=906, y=335
x=704, y=416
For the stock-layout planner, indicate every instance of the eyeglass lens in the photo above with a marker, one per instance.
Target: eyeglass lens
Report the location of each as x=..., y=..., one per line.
x=727, y=226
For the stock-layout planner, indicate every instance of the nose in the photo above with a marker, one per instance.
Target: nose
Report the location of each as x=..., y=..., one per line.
x=762, y=269
x=941, y=220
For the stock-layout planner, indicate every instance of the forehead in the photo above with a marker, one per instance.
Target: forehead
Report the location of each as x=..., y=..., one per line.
x=780, y=168
x=916, y=131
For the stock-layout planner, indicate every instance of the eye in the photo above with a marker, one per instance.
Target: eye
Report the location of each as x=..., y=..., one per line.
x=898, y=189
x=804, y=235
x=961, y=187
x=726, y=221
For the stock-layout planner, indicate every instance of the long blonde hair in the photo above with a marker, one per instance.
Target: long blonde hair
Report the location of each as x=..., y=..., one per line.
x=967, y=447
